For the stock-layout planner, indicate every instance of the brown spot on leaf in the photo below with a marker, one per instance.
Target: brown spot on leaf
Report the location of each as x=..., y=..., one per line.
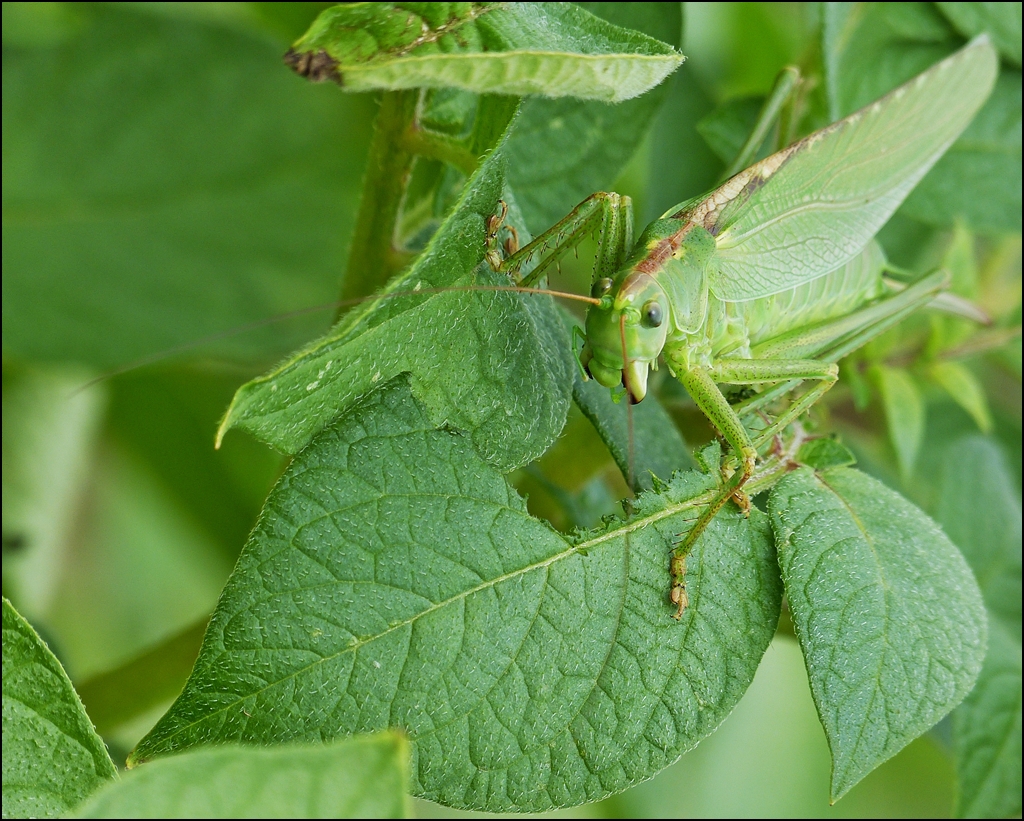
x=315, y=66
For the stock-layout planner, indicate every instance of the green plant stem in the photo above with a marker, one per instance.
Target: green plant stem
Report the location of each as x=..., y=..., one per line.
x=373, y=257
x=434, y=146
x=785, y=83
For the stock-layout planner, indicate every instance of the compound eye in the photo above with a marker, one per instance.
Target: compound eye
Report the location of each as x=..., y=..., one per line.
x=601, y=287
x=653, y=314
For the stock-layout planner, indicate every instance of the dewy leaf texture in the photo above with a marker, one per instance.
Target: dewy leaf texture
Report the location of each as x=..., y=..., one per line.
x=887, y=612
x=493, y=362
x=52, y=755
x=396, y=580
x=362, y=777
x=552, y=49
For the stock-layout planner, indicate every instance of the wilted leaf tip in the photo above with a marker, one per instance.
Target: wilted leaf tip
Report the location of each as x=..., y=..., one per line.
x=315, y=66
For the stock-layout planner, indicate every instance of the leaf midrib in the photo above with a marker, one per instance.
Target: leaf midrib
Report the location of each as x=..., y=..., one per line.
x=584, y=547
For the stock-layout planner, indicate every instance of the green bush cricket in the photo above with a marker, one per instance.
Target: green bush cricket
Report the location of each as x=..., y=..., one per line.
x=770, y=278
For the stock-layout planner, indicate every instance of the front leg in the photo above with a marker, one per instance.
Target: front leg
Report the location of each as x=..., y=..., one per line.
x=606, y=213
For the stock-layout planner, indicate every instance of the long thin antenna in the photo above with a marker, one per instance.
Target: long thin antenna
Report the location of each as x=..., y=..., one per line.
x=169, y=353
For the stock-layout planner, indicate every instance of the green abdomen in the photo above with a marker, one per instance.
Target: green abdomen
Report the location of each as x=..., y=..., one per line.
x=741, y=325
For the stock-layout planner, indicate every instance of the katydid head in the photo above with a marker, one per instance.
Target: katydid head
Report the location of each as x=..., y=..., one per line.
x=626, y=332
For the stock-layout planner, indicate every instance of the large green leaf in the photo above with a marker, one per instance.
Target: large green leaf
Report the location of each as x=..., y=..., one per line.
x=164, y=178
x=52, y=755
x=554, y=49
x=980, y=510
x=492, y=362
x=362, y=777
x=396, y=580
x=888, y=614
x=870, y=48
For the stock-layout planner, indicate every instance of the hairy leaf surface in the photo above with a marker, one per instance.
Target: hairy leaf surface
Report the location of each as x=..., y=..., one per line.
x=492, y=362
x=396, y=580
x=887, y=611
x=553, y=49
x=52, y=755
x=362, y=777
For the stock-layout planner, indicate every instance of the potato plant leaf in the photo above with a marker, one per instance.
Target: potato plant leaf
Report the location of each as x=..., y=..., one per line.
x=493, y=362
x=52, y=755
x=980, y=510
x=362, y=777
x=888, y=614
x=552, y=49
x=121, y=241
x=565, y=149
x=395, y=580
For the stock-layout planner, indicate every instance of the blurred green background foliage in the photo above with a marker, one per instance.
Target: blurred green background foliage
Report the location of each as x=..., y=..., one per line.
x=167, y=181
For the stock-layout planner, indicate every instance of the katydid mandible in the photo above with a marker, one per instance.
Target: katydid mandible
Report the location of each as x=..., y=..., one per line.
x=773, y=276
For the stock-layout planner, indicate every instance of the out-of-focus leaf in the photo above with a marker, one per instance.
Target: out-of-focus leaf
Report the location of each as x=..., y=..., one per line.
x=175, y=183
x=553, y=49
x=52, y=755
x=904, y=413
x=960, y=383
x=140, y=567
x=49, y=434
x=979, y=507
x=979, y=177
x=396, y=580
x=564, y=150
x=888, y=614
x=363, y=777
x=1000, y=20
x=152, y=678
x=492, y=362
x=824, y=453
x=987, y=734
x=726, y=128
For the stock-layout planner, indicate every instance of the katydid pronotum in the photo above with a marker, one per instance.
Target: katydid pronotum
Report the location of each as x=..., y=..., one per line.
x=769, y=279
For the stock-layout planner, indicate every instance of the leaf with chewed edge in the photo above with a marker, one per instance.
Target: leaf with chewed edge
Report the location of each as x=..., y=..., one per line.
x=552, y=49
x=395, y=580
x=493, y=362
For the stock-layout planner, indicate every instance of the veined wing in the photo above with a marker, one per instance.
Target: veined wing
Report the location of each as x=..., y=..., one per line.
x=812, y=207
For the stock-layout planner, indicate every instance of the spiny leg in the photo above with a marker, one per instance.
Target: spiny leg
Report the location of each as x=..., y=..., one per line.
x=715, y=406
x=756, y=371
x=607, y=213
